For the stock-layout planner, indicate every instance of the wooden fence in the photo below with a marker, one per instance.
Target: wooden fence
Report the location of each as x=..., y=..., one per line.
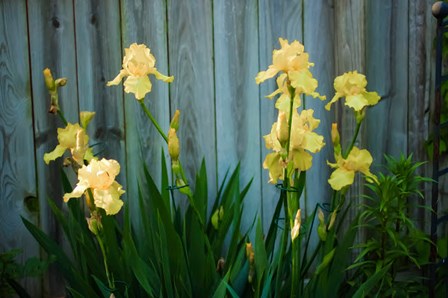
x=214, y=49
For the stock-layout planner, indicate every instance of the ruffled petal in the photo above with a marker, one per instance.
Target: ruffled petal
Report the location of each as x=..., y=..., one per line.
x=162, y=77
x=109, y=199
x=117, y=80
x=356, y=102
x=335, y=98
x=301, y=159
x=264, y=75
x=138, y=85
x=274, y=163
x=77, y=192
x=341, y=178
x=57, y=152
x=372, y=98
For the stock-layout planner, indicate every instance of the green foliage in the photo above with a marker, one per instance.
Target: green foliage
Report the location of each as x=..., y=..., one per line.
x=163, y=251
x=11, y=271
x=390, y=261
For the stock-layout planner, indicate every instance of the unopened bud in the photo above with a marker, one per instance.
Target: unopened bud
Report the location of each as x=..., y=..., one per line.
x=220, y=265
x=61, y=82
x=295, y=231
x=360, y=115
x=250, y=252
x=217, y=217
x=85, y=118
x=282, y=127
x=322, y=228
x=175, y=120
x=173, y=144
x=250, y=255
x=332, y=219
x=49, y=81
x=94, y=223
x=335, y=138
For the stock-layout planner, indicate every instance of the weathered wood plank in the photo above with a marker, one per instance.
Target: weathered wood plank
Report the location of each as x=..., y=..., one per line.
x=144, y=22
x=349, y=55
x=387, y=74
x=419, y=84
x=51, y=32
x=276, y=19
x=191, y=62
x=98, y=51
x=17, y=170
x=319, y=43
x=237, y=118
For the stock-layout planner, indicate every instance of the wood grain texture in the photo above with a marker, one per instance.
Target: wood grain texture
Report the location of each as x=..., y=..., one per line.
x=51, y=32
x=276, y=19
x=144, y=22
x=319, y=43
x=98, y=51
x=419, y=84
x=17, y=170
x=387, y=74
x=349, y=55
x=190, y=37
x=238, y=117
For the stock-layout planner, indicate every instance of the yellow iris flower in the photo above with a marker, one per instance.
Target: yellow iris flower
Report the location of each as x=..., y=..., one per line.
x=290, y=57
x=74, y=138
x=292, y=60
x=344, y=174
x=302, y=141
x=99, y=176
x=138, y=63
x=352, y=86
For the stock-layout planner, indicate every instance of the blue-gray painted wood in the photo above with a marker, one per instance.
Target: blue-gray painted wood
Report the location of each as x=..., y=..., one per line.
x=214, y=49
x=17, y=170
x=237, y=103
x=190, y=38
x=52, y=44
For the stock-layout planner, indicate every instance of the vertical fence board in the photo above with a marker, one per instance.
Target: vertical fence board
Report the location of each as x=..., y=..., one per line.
x=276, y=19
x=387, y=68
x=98, y=51
x=349, y=49
x=319, y=44
x=17, y=170
x=191, y=62
x=237, y=118
x=214, y=49
x=144, y=22
x=419, y=83
x=52, y=43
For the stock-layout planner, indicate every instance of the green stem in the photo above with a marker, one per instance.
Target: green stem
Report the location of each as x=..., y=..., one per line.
x=355, y=136
x=153, y=120
x=291, y=105
x=61, y=115
x=159, y=129
x=284, y=242
x=106, y=267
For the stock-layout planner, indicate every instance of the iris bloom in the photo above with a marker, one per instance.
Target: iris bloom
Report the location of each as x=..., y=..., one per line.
x=290, y=57
x=138, y=63
x=303, y=140
x=345, y=169
x=73, y=138
x=352, y=86
x=99, y=177
x=292, y=60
